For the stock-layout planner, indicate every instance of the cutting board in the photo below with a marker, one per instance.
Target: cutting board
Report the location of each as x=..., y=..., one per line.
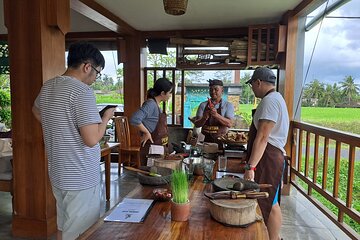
x=234, y=212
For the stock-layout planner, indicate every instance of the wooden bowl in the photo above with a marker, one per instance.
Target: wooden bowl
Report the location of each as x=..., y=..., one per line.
x=155, y=181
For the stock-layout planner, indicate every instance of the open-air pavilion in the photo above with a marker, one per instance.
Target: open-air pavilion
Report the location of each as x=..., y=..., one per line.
x=38, y=32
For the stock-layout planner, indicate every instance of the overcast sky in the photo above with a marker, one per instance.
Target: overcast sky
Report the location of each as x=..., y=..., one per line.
x=337, y=52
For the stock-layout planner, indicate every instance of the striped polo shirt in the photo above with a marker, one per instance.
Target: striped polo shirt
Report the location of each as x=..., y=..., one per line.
x=65, y=105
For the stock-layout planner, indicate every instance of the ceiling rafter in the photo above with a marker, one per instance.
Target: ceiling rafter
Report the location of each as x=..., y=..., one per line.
x=101, y=15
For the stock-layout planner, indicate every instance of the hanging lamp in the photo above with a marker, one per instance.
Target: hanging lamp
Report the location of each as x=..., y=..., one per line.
x=175, y=7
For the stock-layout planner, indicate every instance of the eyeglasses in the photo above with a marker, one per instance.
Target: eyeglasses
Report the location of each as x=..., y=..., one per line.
x=98, y=73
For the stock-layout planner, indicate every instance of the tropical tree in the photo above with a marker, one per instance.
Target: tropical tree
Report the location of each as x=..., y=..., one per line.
x=327, y=96
x=161, y=60
x=336, y=94
x=247, y=94
x=108, y=82
x=5, y=100
x=306, y=97
x=224, y=75
x=315, y=91
x=350, y=88
x=169, y=60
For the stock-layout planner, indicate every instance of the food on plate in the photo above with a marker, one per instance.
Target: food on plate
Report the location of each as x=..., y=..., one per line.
x=232, y=136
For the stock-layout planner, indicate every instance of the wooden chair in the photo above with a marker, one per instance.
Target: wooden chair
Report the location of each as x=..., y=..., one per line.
x=127, y=152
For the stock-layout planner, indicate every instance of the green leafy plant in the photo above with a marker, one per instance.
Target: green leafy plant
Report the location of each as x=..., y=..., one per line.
x=180, y=187
x=5, y=111
x=247, y=117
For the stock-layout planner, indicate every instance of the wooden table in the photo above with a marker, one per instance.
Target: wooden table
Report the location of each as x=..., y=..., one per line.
x=158, y=224
x=106, y=153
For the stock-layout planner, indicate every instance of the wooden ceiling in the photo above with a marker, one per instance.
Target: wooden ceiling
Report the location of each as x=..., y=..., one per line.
x=128, y=16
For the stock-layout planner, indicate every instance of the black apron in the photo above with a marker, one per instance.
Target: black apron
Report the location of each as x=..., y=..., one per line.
x=268, y=170
x=159, y=136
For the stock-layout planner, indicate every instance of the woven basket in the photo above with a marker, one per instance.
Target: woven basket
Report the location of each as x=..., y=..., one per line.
x=175, y=7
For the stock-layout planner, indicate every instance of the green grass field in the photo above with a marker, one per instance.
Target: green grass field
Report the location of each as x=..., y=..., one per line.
x=344, y=119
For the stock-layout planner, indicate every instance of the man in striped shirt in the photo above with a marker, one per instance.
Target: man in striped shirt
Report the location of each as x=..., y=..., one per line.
x=72, y=128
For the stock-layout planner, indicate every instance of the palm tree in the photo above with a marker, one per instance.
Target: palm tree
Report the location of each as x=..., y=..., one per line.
x=315, y=90
x=350, y=88
x=327, y=97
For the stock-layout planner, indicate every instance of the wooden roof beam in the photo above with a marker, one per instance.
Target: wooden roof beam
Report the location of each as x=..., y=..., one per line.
x=101, y=15
x=306, y=7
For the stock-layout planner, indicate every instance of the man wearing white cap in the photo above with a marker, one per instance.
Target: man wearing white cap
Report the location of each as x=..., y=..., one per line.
x=267, y=138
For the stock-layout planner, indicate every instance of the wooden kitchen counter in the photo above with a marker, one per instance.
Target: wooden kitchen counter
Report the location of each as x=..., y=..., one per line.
x=158, y=224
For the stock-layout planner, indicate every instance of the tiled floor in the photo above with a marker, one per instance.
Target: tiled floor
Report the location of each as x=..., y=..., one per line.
x=301, y=220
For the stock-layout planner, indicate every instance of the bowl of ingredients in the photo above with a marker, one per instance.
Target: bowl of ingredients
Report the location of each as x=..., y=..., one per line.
x=157, y=176
x=162, y=194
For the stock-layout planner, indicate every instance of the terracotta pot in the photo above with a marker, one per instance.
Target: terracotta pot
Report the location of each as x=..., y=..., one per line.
x=180, y=212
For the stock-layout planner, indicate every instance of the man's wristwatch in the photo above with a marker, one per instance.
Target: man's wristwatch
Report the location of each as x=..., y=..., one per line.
x=249, y=167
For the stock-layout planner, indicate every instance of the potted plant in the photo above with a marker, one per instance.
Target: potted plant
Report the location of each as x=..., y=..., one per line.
x=180, y=204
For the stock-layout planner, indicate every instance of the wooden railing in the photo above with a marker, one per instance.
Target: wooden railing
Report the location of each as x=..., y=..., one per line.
x=312, y=148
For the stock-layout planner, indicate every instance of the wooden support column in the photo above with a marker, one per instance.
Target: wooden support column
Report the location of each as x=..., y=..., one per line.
x=135, y=61
x=36, y=35
x=287, y=78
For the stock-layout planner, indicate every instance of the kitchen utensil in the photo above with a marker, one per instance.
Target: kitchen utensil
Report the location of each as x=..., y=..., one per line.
x=226, y=184
x=236, y=195
x=142, y=171
x=145, y=179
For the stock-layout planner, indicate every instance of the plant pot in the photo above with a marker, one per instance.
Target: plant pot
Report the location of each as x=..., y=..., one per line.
x=180, y=212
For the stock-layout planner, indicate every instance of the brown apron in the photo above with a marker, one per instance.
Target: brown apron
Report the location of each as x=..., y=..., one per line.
x=212, y=128
x=159, y=136
x=268, y=170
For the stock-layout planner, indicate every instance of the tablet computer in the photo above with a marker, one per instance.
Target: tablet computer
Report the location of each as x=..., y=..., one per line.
x=102, y=111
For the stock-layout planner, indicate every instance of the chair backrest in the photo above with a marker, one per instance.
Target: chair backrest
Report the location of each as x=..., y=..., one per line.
x=122, y=131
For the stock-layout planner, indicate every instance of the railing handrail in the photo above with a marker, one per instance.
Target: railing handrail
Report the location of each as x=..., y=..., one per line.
x=348, y=138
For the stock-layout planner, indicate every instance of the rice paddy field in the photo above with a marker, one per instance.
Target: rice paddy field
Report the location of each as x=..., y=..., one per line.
x=344, y=119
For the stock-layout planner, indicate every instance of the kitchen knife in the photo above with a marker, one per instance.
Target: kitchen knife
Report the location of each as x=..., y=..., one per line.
x=236, y=195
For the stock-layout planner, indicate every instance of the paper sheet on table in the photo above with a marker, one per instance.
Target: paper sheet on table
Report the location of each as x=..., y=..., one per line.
x=130, y=210
x=156, y=149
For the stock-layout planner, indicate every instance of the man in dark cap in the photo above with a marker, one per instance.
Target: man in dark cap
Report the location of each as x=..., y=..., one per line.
x=216, y=115
x=265, y=149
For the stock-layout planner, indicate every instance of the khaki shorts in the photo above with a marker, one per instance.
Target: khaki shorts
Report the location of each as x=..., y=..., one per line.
x=76, y=210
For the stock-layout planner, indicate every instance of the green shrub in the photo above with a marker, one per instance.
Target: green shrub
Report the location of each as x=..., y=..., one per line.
x=5, y=110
